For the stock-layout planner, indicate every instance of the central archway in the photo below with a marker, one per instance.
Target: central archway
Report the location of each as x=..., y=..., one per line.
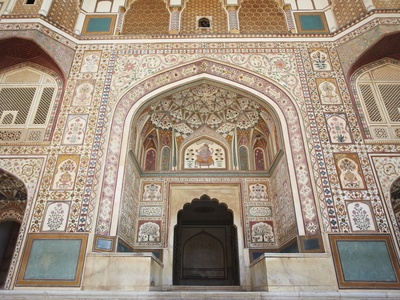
x=205, y=245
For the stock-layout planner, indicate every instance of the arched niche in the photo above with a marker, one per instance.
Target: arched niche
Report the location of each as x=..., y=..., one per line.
x=119, y=157
x=206, y=118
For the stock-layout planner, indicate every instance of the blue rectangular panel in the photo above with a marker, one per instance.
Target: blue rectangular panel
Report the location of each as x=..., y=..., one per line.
x=104, y=244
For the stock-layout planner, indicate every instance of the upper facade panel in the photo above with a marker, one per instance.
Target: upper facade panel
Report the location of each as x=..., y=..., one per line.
x=149, y=18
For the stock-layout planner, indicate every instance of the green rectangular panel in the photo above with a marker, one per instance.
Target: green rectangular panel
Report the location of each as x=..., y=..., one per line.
x=311, y=22
x=99, y=24
x=51, y=259
x=366, y=261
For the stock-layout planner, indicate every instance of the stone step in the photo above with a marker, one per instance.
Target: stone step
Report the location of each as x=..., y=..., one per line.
x=193, y=295
x=204, y=288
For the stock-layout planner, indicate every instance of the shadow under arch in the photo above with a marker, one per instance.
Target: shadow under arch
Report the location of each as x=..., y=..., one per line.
x=205, y=244
x=395, y=199
x=278, y=99
x=13, y=200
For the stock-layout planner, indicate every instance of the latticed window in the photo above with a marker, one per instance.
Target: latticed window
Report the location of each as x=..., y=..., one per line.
x=26, y=98
x=379, y=89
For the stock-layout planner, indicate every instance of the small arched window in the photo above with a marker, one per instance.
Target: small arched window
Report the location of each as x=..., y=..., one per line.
x=26, y=100
x=379, y=90
x=204, y=22
x=150, y=164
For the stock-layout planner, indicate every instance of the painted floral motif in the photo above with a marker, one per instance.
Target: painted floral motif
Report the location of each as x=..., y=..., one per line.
x=91, y=61
x=258, y=192
x=320, y=60
x=64, y=178
x=149, y=232
x=263, y=211
x=338, y=128
x=56, y=217
x=349, y=169
x=150, y=211
x=328, y=92
x=361, y=218
x=75, y=129
x=152, y=192
x=83, y=93
x=262, y=232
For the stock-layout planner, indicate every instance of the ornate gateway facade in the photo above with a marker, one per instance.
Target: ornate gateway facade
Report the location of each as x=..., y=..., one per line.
x=156, y=147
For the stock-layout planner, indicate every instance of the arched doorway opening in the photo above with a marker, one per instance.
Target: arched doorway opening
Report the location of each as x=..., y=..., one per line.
x=8, y=238
x=13, y=196
x=205, y=245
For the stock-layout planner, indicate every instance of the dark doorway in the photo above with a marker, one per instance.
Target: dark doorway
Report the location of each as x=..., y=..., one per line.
x=205, y=245
x=8, y=239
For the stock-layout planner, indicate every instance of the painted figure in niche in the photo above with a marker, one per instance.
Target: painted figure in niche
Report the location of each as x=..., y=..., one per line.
x=349, y=174
x=152, y=192
x=258, y=192
x=204, y=156
x=338, y=130
x=64, y=178
x=328, y=93
x=149, y=232
x=262, y=232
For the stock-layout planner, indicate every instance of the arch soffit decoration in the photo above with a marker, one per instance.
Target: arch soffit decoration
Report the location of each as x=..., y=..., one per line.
x=56, y=57
x=15, y=193
x=365, y=43
x=269, y=92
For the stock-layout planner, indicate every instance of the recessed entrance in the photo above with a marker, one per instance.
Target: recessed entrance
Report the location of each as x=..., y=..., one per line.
x=205, y=245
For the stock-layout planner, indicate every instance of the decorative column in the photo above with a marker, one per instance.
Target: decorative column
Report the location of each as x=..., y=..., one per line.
x=120, y=19
x=10, y=7
x=174, y=21
x=79, y=23
x=287, y=8
x=233, y=19
x=330, y=19
x=369, y=5
x=44, y=9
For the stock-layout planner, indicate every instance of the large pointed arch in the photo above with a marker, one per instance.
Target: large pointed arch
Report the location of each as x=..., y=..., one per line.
x=284, y=107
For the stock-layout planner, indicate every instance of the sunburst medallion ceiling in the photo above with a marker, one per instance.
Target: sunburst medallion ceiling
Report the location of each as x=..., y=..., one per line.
x=205, y=105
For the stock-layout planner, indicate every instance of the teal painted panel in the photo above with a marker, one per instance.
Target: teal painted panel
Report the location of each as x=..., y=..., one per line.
x=311, y=22
x=53, y=260
x=99, y=25
x=366, y=261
